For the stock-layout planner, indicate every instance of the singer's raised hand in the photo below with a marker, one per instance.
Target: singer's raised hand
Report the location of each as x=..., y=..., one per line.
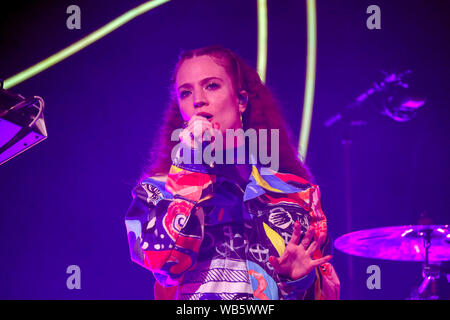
x=297, y=259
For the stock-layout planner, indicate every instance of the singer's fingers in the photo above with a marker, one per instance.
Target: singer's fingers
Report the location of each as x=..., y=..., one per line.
x=296, y=233
x=198, y=130
x=210, y=135
x=198, y=126
x=313, y=247
x=192, y=133
x=308, y=236
x=323, y=260
x=284, y=257
x=187, y=139
x=199, y=123
x=275, y=263
x=185, y=136
x=198, y=119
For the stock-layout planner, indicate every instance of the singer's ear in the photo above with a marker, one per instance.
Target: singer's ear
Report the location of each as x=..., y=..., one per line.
x=243, y=100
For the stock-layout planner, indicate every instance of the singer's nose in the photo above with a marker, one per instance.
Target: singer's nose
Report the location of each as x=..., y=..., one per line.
x=199, y=104
x=199, y=100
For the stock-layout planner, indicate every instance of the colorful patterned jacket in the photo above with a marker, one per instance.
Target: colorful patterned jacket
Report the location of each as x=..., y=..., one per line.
x=206, y=237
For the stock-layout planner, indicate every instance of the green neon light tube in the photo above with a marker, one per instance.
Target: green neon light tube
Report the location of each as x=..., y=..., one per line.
x=310, y=78
x=81, y=44
x=262, y=39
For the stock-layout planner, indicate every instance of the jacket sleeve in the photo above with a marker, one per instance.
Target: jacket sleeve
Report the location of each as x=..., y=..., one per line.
x=164, y=227
x=296, y=289
x=323, y=282
x=327, y=284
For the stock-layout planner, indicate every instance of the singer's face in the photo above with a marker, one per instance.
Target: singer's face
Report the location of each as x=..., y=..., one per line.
x=204, y=88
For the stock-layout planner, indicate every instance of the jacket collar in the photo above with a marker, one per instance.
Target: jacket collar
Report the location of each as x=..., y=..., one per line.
x=263, y=179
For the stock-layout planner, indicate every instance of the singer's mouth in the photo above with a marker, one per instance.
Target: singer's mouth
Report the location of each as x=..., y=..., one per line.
x=206, y=115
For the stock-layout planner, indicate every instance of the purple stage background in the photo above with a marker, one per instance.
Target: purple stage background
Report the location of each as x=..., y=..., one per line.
x=63, y=201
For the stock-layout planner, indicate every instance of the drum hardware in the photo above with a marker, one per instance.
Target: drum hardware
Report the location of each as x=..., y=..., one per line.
x=427, y=243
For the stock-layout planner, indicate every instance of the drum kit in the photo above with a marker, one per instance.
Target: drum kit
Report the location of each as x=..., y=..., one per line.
x=424, y=242
x=429, y=244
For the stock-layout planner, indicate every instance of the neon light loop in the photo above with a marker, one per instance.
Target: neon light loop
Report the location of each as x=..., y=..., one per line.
x=261, y=60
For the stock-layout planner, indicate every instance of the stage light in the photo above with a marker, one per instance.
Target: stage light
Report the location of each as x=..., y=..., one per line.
x=22, y=124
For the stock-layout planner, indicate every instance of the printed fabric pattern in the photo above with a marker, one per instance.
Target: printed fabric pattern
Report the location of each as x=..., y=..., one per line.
x=206, y=237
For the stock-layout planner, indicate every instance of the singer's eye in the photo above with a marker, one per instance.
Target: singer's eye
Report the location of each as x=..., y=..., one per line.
x=184, y=94
x=212, y=86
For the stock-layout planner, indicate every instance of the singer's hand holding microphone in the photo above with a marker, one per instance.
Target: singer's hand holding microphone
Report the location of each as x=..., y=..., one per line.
x=197, y=131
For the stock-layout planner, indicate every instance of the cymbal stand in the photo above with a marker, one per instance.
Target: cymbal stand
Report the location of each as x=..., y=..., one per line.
x=430, y=272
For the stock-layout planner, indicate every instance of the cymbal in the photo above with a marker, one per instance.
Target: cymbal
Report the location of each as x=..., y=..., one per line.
x=401, y=243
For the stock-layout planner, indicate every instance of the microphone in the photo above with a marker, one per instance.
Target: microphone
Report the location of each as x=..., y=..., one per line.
x=391, y=94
